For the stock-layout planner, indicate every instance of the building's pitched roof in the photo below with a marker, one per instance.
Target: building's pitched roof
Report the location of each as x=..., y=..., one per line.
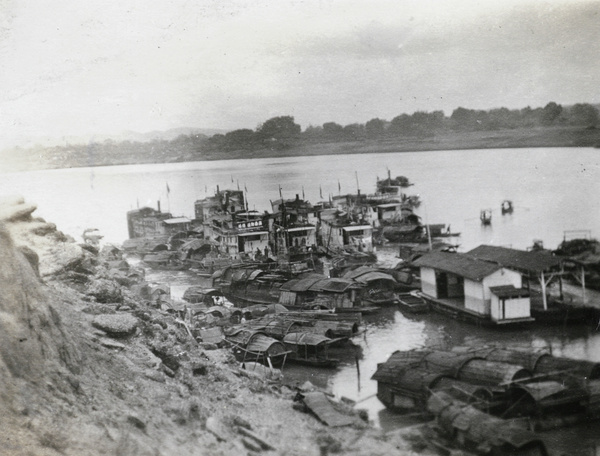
x=521, y=260
x=459, y=264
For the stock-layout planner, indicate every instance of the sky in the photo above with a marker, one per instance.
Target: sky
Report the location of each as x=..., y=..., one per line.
x=72, y=68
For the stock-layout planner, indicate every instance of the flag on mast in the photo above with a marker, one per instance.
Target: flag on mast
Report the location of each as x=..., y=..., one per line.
x=303, y=197
x=321, y=192
x=168, y=189
x=339, y=187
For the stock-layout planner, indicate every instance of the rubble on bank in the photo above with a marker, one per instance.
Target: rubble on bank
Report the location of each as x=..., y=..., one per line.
x=89, y=365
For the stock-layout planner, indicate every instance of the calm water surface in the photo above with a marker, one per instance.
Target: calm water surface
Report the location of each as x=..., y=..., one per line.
x=553, y=190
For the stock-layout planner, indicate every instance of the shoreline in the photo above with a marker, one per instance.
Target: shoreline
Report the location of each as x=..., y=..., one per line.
x=29, y=160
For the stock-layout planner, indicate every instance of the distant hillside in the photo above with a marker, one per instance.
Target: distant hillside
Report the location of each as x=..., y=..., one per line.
x=126, y=135
x=167, y=135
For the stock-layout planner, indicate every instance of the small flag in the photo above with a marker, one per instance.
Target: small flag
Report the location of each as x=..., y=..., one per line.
x=320, y=192
x=168, y=189
x=339, y=186
x=232, y=178
x=303, y=198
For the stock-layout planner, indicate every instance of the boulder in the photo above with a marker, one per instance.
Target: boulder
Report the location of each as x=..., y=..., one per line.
x=116, y=325
x=105, y=291
x=14, y=208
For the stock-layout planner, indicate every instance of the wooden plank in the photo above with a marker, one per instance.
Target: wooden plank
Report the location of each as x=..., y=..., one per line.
x=318, y=403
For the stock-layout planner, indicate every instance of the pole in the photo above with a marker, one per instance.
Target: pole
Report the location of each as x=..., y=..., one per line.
x=583, y=284
x=357, y=367
x=544, y=298
x=428, y=230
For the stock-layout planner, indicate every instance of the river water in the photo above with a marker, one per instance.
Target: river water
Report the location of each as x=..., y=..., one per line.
x=553, y=190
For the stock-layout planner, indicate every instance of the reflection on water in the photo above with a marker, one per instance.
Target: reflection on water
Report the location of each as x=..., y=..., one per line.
x=391, y=330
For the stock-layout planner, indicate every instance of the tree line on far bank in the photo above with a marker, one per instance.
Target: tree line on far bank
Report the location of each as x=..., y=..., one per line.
x=281, y=133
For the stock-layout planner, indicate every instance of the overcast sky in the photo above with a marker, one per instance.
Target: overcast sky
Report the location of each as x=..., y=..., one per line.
x=72, y=67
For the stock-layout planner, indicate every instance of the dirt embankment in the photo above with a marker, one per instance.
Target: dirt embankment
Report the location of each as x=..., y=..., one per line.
x=89, y=367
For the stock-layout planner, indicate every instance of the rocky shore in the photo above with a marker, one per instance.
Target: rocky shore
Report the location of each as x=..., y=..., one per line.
x=89, y=366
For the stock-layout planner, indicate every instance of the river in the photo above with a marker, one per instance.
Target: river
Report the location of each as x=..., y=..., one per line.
x=554, y=190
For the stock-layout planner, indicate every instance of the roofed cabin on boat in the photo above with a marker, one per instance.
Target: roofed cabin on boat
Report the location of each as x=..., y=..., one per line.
x=476, y=288
x=488, y=282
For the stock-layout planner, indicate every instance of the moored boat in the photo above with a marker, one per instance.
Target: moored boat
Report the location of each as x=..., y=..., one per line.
x=310, y=349
x=256, y=346
x=412, y=303
x=549, y=391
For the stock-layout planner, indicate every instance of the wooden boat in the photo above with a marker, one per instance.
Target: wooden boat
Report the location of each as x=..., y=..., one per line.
x=318, y=292
x=378, y=287
x=548, y=391
x=208, y=296
x=165, y=261
x=280, y=324
x=391, y=185
x=412, y=303
x=485, y=216
x=406, y=379
x=309, y=349
x=256, y=346
x=248, y=286
x=458, y=424
x=506, y=207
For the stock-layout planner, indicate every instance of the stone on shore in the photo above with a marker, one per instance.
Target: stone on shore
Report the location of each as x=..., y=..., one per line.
x=116, y=325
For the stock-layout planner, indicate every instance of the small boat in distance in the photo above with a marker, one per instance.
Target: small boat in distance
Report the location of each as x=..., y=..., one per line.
x=485, y=216
x=506, y=207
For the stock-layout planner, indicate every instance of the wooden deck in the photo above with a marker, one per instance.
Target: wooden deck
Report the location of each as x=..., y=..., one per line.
x=456, y=309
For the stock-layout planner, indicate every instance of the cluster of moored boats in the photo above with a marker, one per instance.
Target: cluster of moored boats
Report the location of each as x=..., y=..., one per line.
x=491, y=399
x=292, y=285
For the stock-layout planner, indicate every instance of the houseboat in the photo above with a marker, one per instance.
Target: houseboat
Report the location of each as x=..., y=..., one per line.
x=148, y=222
x=379, y=288
x=472, y=289
x=310, y=349
x=293, y=228
x=543, y=389
x=341, y=230
x=245, y=286
x=319, y=292
x=460, y=427
x=539, y=270
x=256, y=346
